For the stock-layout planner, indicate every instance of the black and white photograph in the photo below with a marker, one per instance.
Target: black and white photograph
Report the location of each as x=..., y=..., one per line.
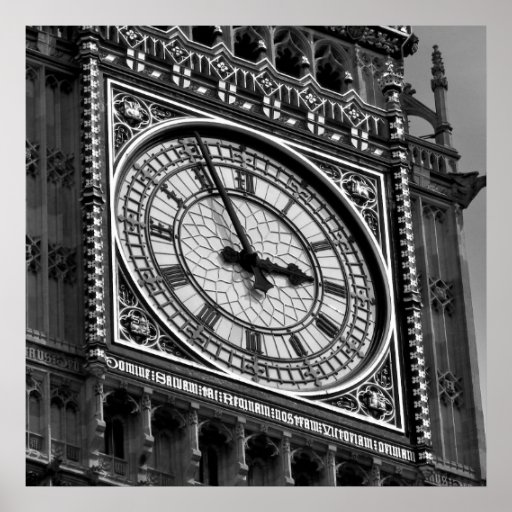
x=246, y=257
x=255, y=251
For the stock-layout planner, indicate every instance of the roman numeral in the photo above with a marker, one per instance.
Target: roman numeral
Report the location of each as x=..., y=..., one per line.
x=253, y=341
x=162, y=231
x=322, y=245
x=209, y=316
x=326, y=325
x=174, y=275
x=244, y=181
x=335, y=289
x=287, y=206
x=297, y=346
x=171, y=194
x=203, y=178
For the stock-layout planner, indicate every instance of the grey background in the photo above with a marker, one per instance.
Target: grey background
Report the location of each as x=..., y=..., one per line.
x=496, y=15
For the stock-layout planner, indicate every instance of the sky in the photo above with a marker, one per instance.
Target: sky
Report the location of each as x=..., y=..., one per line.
x=464, y=54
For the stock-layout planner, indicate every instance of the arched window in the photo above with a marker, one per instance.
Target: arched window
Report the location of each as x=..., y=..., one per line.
x=64, y=429
x=209, y=465
x=393, y=481
x=351, y=474
x=166, y=426
x=162, y=450
x=119, y=407
x=57, y=430
x=256, y=476
x=306, y=467
x=329, y=68
x=214, y=440
x=72, y=424
x=290, y=53
x=250, y=43
x=261, y=457
x=114, y=438
x=204, y=34
x=34, y=421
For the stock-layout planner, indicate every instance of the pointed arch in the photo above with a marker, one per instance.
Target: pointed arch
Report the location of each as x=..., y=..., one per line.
x=331, y=66
x=251, y=43
x=351, y=474
x=307, y=467
x=292, y=51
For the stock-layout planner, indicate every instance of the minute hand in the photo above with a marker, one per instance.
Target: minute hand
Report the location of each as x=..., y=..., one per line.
x=260, y=282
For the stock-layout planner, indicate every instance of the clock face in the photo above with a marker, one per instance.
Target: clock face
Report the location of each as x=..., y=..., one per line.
x=320, y=318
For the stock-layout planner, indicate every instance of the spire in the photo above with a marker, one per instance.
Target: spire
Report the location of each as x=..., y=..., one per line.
x=440, y=88
x=439, y=79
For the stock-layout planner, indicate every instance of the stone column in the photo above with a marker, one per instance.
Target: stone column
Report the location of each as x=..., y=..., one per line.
x=286, y=460
x=330, y=466
x=193, y=454
x=241, y=468
x=95, y=423
x=375, y=473
x=147, y=438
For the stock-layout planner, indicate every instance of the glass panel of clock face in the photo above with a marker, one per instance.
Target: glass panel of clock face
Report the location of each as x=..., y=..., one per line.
x=173, y=230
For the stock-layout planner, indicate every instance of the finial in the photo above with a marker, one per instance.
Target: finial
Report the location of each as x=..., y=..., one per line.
x=391, y=81
x=439, y=79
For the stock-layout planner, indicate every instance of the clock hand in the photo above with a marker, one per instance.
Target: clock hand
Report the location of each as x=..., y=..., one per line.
x=295, y=275
x=260, y=281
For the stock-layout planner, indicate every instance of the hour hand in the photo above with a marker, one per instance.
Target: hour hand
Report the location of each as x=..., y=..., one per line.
x=249, y=262
x=295, y=275
x=253, y=263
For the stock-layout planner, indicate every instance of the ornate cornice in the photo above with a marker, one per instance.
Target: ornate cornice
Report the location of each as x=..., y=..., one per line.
x=388, y=40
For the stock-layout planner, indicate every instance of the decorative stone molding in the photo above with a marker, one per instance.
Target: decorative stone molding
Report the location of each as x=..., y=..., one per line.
x=392, y=84
x=92, y=197
x=441, y=296
x=31, y=158
x=185, y=61
x=450, y=388
x=33, y=253
x=60, y=167
x=62, y=263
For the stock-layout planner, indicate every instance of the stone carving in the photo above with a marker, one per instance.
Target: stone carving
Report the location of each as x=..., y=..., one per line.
x=450, y=388
x=441, y=296
x=61, y=167
x=31, y=158
x=374, y=398
x=62, y=263
x=465, y=186
x=33, y=253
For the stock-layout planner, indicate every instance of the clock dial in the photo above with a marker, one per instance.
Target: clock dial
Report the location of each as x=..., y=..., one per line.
x=317, y=321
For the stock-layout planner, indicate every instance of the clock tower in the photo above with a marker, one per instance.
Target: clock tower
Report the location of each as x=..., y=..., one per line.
x=242, y=269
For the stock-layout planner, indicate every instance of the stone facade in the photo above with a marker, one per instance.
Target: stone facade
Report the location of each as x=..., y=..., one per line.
x=113, y=397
